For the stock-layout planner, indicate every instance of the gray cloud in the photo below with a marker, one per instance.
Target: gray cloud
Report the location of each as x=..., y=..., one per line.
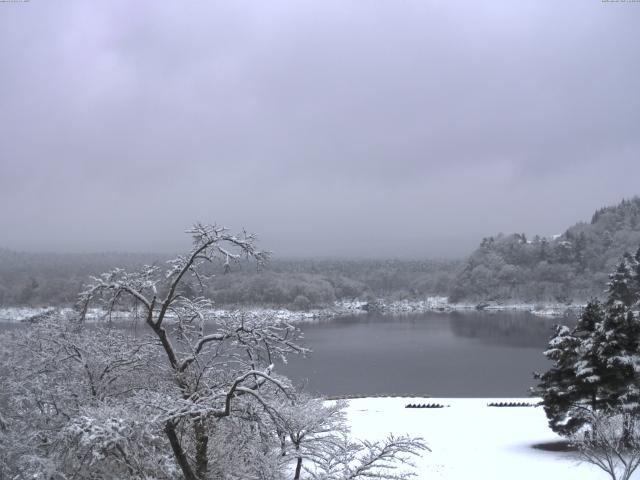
x=408, y=128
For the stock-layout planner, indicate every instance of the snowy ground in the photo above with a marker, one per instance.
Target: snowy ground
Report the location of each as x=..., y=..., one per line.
x=472, y=441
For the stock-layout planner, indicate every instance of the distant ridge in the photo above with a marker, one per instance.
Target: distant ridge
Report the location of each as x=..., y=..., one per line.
x=570, y=267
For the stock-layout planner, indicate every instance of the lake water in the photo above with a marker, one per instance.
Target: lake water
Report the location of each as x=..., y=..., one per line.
x=470, y=354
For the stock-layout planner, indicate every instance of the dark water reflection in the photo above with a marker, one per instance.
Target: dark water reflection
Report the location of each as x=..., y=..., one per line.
x=471, y=354
x=438, y=354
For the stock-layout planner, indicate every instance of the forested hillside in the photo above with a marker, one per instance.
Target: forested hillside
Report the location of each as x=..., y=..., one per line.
x=570, y=267
x=28, y=279
x=39, y=279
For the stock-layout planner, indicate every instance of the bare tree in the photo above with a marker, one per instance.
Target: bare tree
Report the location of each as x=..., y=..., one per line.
x=307, y=425
x=67, y=395
x=195, y=398
x=211, y=363
x=352, y=460
x=316, y=438
x=611, y=441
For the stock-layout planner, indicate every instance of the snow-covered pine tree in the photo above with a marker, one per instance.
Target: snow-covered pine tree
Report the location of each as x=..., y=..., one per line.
x=557, y=385
x=622, y=283
x=636, y=273
x=589, y=367
x=619, y=350
x=596, y=365
x=619, y=338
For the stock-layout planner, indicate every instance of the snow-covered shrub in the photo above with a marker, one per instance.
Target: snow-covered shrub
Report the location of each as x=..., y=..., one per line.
x=610, y=440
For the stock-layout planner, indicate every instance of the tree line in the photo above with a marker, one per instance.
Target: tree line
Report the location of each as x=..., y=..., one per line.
x=571, y=267
x=28, y=279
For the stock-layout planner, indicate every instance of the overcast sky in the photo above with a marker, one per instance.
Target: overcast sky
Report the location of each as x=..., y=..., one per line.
x=407, y=128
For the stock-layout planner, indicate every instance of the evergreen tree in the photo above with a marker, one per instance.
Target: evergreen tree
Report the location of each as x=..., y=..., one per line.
x=596, y=366
x=589, y=367
x=619, y=350
x=636, y=273
x=621, y=287
x=557, y=385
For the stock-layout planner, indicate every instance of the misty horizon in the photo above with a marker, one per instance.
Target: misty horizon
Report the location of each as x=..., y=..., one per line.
x=330, y=129
x=473, y=244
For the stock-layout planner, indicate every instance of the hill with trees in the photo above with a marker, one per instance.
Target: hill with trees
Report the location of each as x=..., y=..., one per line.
x=39, y=279
x=571, y=267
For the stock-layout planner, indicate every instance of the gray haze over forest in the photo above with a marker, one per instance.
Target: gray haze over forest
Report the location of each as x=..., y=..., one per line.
x=334, y=128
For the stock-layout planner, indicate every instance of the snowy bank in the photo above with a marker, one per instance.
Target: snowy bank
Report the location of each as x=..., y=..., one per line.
x=340, y=308
x=470, y=440
x=441, y=304
x=29, y=314
x=23, y=314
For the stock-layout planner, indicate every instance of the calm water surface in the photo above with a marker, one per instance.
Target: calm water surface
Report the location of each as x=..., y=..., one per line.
x=471, y=354
x=437, y=354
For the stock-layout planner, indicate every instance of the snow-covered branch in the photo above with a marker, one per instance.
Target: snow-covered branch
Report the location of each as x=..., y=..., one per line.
x=345, y=459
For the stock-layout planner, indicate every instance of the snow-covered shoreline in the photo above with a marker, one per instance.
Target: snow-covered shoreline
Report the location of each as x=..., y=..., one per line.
x=469, y=439
x=341, y=308
x=441, y=304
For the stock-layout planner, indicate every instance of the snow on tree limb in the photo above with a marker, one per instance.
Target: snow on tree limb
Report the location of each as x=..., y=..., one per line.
x=194, y=397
